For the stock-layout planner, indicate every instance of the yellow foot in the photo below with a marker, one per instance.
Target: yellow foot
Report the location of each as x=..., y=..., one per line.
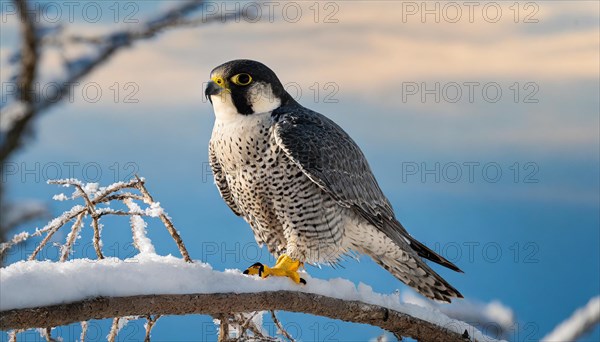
x=285, y=267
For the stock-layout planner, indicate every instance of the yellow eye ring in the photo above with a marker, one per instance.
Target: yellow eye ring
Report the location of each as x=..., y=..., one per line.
x=241, y=79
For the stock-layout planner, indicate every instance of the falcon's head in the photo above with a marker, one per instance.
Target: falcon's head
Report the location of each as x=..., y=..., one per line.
x=244, y=87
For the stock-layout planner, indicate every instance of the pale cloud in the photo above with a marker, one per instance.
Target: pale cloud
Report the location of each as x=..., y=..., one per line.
x=367, y=45
x=370, y=45
x=367, y=54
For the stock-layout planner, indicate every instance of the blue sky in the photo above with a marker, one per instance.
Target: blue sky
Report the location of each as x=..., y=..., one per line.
x=529, y=239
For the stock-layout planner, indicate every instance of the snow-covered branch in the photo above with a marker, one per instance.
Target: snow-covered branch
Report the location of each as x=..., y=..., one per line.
x=398, y=323
x=194, y=288
x=149, y=286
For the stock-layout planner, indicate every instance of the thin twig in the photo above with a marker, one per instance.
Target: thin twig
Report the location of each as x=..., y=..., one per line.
x=68, y=246
x=122, y=197
x=17, y=239
x=45, y=240
x=48, y=334
x=105, y=195
x=259, y=334
x=95, y=221
x=280, y=327
x=249, y=325
x=121, y=213
x=43, y=243
x=223, y=328
x=245, y=324
x=101, y=195
x=149, y=325
x=84, y=326
x=12, y=335
x=114, y=330
x=52, y=225
x=165, y=219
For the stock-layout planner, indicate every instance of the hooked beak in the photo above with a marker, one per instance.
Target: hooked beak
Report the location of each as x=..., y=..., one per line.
x=212, y=89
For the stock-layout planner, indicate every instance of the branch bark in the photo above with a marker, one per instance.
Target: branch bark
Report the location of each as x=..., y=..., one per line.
x=398, y=323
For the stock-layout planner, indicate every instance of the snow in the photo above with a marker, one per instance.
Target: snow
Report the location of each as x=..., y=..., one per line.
x=490, y=315
x=578, y=324
x=121, y=323
x=155, y=210
x=380, y=338
x=138, y=226
x=60, y=197
x=91, y=188
x=42, y=283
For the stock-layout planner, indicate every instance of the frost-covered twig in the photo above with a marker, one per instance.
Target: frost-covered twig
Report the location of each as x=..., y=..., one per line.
x=114, y=330
x=17, y=239
x=67, y=247
x=248, y=324
x=165, y=219
x=54, y=226
x=280, y=327
x=12, y=335
x=138, y=229
x=242, y=323
x=118, y=323
x=84, y=326
x=123, y=197
x=223, y=328
x=95, y=220
x=149, y=325
x=49, y=335
x=93, y=196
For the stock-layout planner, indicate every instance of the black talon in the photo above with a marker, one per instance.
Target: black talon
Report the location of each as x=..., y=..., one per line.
x=258, y=265
x=302, y=281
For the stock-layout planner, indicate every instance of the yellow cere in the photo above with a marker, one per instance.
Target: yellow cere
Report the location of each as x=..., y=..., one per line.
x=220, y=81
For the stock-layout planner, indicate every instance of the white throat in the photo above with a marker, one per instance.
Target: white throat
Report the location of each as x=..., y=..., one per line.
x=224, y=108
x=262, y=100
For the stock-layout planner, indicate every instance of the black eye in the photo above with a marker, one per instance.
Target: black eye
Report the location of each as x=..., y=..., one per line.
x=241, y=79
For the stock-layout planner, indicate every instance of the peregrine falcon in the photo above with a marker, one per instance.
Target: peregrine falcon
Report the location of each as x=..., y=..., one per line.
x=304, y=185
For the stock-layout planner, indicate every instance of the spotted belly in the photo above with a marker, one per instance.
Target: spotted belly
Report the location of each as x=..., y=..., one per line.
x=286, y=210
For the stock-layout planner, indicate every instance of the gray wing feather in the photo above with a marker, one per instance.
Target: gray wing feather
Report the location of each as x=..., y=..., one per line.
x=331, y=159
x=221, y=181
